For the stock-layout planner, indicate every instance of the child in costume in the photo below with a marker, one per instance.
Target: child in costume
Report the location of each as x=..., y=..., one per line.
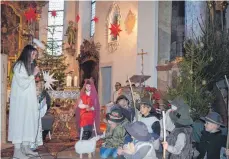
x=88, y=109
x=148, y=116
x=123, y=104
x=141, y=147
x=212, y=139
x=115, y=134
x=179, y=142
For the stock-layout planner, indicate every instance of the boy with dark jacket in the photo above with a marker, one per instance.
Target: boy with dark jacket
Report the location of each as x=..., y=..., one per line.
x=212, y=139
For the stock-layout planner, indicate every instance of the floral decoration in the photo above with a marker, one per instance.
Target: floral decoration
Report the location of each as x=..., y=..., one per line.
x=154, y=95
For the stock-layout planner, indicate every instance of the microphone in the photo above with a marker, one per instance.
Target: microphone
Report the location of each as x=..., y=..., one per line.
x=34, y=64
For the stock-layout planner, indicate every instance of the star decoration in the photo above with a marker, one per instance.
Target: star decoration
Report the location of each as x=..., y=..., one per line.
x=30, y=14
x=48, y=80
x=95, y=19
x=115, y=30
x=77, y=18
x=53, y=13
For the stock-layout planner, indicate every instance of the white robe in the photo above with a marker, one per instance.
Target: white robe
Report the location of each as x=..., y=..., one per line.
x=23, y=117
x=39, y=138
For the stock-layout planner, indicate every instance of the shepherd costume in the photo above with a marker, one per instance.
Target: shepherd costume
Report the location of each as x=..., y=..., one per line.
x=180, y=140
x=85, y=118
x=151, y=121
x=143, y=147
x=114, y=138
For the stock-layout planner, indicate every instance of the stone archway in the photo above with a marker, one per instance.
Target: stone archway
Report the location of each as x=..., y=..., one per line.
x=89, y=62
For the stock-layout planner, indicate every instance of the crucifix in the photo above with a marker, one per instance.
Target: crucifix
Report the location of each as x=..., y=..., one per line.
x=142, y=71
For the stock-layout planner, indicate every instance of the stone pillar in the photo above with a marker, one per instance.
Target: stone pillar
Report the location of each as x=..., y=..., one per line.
x=164, y=31
x=4, y=59
x=84, y=25
x=147, y=39
x=164, y=45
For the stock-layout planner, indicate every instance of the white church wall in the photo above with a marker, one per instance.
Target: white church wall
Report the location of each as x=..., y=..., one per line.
x=148, y=39
x=123, y=60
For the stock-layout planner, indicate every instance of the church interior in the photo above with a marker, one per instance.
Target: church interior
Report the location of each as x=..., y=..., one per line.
x=153, y=49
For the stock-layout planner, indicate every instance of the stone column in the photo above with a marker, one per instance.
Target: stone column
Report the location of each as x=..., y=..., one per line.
x=147, y=39
x=164, y=31
x=4, y=59
x=83, y=9
x=164, y=45
x=84, y=25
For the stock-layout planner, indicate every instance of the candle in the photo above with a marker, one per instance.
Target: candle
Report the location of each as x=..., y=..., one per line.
x=69, y=81
x=75, y=81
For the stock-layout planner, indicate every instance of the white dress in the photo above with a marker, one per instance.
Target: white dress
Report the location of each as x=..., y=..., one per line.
x=39, y=138
x=23, y=116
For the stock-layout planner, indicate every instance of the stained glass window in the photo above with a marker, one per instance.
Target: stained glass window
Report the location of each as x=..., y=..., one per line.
x=55, y=27
x=93, y=7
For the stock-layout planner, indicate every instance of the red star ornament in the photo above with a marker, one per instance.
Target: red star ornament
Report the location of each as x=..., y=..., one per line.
x=53, y=13
x=95, y=19
x=115, y=30
x=30, y=14
x=77, y=18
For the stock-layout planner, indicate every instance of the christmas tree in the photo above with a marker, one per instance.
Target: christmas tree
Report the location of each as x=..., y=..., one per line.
x=52, y=60
x=206, y=61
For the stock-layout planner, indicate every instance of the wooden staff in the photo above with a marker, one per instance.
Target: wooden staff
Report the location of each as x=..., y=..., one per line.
x=164, y=131
x=132, y=94
x=227, y=146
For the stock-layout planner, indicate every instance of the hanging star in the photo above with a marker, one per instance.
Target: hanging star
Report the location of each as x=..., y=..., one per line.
x=95, y=19
x=115, y=30
x=77, y=18
x=48, y=80
x=53, y=13
x=30, y=14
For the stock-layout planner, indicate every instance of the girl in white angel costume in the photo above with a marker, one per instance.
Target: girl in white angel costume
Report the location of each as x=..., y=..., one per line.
x=24, y=107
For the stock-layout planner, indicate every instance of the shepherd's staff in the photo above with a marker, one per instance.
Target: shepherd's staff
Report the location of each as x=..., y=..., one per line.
x=132, y=94
x=227, y=146
x=164, y=131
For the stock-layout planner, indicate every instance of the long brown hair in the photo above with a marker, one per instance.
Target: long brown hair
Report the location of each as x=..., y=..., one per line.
x=25, y=58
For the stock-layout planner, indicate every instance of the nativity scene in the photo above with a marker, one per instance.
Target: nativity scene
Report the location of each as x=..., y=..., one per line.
x=114, y=79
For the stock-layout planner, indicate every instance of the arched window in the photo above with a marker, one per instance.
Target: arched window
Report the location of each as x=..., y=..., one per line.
x=93, y=6
x=55, y=27
x=113, y=17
